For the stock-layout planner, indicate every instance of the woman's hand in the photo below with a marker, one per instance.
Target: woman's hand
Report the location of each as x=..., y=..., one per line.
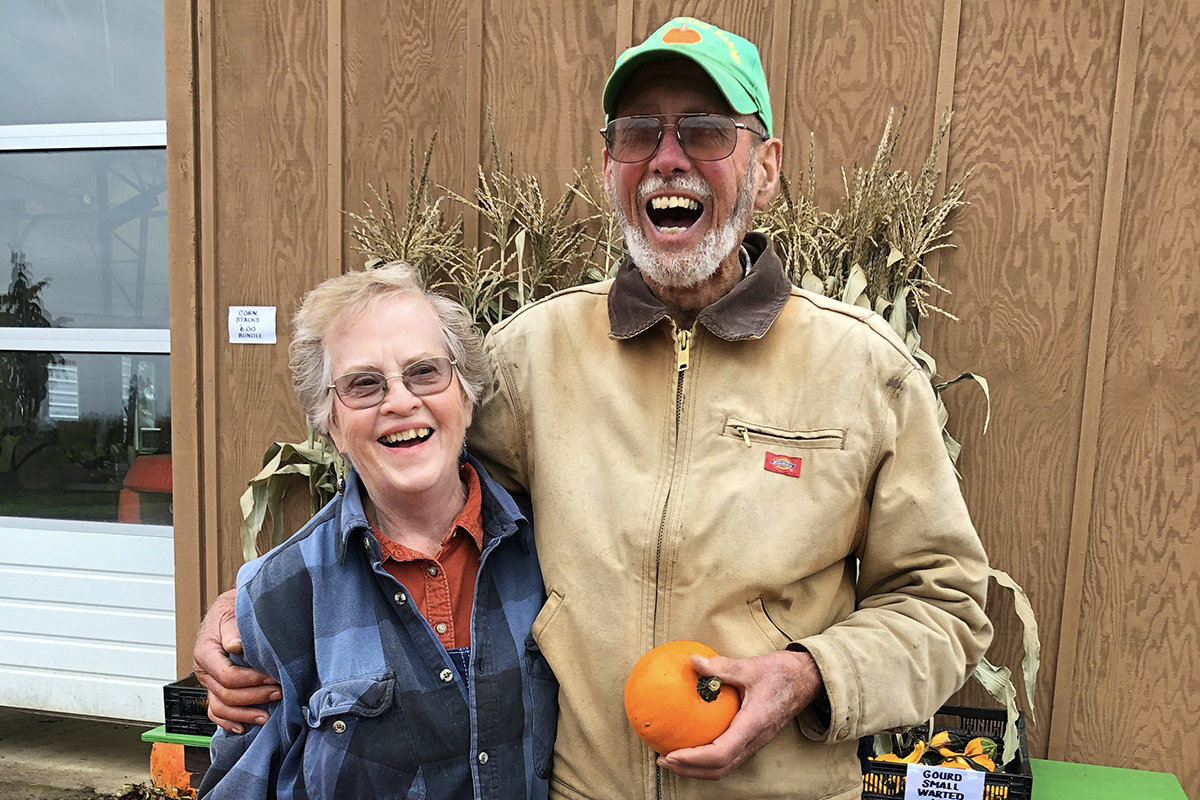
x=233, y=691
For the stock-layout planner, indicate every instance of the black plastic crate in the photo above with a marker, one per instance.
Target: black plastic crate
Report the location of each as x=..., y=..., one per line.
x=1014, y=781
x=186, y=704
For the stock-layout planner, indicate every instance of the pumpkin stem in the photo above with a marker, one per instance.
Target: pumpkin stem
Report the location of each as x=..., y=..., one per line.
x=708, y=688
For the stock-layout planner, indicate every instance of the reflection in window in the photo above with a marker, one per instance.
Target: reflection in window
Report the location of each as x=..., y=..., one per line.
x=62, y=395
x=81, y=61
x=94, y=225
x=85, y=436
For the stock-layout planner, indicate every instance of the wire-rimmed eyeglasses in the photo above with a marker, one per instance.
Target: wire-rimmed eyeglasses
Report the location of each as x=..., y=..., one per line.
x=366, y=389
x=703, y=137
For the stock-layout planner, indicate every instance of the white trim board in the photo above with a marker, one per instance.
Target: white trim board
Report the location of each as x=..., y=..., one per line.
x=84, y=526
x=87, y=340
x=87, y=617
x=83, y=135
x=134, y=699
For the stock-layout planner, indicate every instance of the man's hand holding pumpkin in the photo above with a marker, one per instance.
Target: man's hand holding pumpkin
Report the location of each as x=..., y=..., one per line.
x=775, y=688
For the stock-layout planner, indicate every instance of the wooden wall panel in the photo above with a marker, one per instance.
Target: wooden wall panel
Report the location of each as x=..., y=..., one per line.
x=269, y=93
x=849, y=62
x=1033, y=102
x=182, y=200
x=544, y=67
x=750, y=19
x=1136, y=678
x=406, y=72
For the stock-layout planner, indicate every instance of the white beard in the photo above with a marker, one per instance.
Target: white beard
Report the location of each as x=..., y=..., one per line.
x=699, y=263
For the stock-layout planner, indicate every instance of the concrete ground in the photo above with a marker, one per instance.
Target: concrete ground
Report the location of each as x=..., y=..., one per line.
x=58, y=758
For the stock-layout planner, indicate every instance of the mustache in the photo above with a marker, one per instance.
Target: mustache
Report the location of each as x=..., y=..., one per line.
x=690, y=184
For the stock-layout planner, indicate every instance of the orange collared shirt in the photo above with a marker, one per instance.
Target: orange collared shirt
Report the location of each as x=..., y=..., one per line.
x=443, y=588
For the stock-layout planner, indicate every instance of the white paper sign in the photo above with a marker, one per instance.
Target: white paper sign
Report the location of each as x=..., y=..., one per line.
x=943, y=783
x=252, y=324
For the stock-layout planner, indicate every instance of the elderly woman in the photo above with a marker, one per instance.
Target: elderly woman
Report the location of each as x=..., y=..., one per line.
x=397, y=621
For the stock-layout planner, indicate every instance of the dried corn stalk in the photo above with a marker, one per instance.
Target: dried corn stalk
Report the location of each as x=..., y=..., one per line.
x=424, y=239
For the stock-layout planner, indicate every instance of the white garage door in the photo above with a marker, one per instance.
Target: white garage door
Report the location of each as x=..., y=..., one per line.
x=87, y=617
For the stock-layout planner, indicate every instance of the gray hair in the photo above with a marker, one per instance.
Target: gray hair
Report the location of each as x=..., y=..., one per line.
x=341, y=298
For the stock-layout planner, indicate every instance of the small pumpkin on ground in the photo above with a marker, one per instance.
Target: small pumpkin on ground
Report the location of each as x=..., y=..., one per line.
x=670, y=705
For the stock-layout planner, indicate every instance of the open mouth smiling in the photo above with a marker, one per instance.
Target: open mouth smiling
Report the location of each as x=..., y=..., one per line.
x=672, y=214
x=408, y=438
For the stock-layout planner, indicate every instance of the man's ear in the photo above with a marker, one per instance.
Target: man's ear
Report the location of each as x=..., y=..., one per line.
x=770, y=157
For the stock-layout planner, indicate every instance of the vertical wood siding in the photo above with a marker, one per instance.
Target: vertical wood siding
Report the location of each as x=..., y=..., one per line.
x=1136, y=662
x=1073, y=277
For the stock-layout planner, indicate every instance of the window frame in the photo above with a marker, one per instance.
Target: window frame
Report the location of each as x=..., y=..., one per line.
x=78, y=136
x=84, y=136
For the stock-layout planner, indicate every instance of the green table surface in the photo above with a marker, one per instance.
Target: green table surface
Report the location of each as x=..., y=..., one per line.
x=1059, y=780
x=160, y=734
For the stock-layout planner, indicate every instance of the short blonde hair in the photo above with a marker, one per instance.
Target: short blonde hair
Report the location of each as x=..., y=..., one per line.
x=338, y=299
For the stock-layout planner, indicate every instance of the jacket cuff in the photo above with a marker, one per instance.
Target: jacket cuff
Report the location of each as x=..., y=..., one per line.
x=828, y=719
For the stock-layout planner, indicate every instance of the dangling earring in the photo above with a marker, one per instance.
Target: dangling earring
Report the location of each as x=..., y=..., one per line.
x=339, y=468
x=462, y=454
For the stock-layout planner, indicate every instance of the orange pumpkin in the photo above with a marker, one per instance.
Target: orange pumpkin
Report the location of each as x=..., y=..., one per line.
x=670, y=705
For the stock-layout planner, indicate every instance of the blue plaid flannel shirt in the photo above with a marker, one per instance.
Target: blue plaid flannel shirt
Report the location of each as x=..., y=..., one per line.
x=372, y=704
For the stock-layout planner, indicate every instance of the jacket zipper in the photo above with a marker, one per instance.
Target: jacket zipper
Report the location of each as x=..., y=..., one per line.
x=825, y=438
x=745, y=433
x=683, y=354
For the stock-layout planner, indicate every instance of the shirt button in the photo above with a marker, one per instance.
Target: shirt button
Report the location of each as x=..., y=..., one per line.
x=483, y=758
x=433, y=571
x=339, y=726
x=440, y=627
x=446, y=676
x=401, y=598
x=366, y=543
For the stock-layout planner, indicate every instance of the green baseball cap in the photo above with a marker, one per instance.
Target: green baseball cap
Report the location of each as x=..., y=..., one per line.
x=731, y=61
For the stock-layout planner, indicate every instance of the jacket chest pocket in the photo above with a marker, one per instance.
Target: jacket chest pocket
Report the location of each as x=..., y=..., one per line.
x=755, y=433
x=356, y=745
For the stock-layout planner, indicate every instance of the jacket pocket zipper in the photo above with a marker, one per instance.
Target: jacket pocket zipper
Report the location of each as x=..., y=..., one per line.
x=818, y=439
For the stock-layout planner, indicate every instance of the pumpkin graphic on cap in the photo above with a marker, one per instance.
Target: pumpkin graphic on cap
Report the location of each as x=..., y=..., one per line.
x=681, y=35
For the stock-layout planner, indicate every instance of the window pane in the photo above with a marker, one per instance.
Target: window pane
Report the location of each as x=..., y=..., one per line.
x=85, y=436
x=74, y=61
x=94, y=224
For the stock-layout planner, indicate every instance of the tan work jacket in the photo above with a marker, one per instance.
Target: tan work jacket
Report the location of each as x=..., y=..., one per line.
x=656, y=460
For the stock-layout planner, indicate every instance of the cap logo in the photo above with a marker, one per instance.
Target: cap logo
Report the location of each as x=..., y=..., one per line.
x=681, y=35
x=733, y=52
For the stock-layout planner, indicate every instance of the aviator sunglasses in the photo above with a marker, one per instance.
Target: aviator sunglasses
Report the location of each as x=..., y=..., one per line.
x=703, y=137
x=360, y=390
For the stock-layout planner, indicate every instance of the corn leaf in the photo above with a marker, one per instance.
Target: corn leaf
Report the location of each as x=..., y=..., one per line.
x=856, y=285
x=811, y=283
x=254, y=511
x=998, y=682
x=983, y=384
x=282, y=461
x=1031, y=662
x=898, y=318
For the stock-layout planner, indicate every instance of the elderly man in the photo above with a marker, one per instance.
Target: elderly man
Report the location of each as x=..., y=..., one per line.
x=715, y=455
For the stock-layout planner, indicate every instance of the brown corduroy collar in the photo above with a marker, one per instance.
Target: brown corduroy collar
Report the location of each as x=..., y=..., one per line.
x=746, y=312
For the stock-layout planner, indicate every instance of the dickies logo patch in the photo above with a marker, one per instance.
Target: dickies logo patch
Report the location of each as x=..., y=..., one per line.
x=784, y=465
